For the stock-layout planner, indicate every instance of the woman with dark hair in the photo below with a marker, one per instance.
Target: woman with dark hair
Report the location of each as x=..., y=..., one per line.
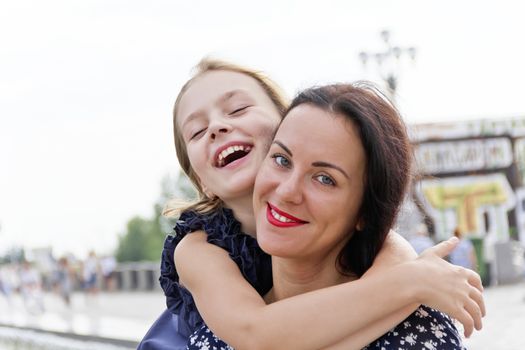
x=386, y=163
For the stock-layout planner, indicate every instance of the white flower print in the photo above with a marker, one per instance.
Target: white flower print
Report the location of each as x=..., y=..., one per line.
x=430, y=345
x=410, y=338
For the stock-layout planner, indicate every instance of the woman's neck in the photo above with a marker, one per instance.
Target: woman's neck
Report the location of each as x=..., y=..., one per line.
x=293, y=276
x=243, y=212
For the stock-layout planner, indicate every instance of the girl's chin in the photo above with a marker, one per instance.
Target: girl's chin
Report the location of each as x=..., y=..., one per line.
x=238, y=188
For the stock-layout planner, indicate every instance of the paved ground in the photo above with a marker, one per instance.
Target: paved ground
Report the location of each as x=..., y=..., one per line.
x=125, y=316
x=504, y=325
x=128, y=316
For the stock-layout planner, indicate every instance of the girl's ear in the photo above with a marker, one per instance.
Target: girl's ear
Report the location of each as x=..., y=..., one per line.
x=204, y=189
x=207, y=192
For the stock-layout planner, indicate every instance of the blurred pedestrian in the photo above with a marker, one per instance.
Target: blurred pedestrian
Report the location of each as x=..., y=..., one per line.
x=64, y=280
x=6, y=287
x=107, y=267
x=464, y=254
x=90, y=273
x=31, y=288
x=420, y=240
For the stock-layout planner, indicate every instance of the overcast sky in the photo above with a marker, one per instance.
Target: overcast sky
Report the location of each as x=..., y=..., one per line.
x=87, y=88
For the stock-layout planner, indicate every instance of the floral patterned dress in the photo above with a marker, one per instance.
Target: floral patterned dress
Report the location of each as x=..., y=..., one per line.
x=424, y=329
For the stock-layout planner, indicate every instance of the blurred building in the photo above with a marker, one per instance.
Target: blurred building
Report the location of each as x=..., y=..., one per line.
x=471, y=175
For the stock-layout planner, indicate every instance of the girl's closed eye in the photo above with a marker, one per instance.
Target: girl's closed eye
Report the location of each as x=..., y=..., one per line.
x=239, y=110
x=325, y=180
x=197, y=134
x=281, y=160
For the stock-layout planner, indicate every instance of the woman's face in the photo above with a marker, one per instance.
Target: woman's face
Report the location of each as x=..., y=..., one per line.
x=227, y=122
x=310, y=186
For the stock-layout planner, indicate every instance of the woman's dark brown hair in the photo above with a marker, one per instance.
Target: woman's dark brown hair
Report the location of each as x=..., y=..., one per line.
x=388, y=163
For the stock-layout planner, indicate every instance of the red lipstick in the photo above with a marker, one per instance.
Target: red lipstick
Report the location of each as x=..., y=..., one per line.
x=292, y=221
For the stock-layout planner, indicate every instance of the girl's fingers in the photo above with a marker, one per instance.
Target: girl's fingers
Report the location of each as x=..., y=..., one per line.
x=474, y=280
x=475, y=312
x=478, y=298
x=442, y=249
x=467, y=321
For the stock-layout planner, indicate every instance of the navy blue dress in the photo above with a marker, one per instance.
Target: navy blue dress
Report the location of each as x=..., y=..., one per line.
x=181, y=319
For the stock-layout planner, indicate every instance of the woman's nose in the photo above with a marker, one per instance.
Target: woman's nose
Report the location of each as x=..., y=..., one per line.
x=290, y=190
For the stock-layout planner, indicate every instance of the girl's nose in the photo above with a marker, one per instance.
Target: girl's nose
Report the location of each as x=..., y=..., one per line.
x=218, y=127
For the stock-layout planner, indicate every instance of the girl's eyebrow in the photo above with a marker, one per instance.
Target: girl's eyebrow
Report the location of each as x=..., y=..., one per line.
x=225, y=97
x=228, y=95
x=315, y=164
x=191, y=117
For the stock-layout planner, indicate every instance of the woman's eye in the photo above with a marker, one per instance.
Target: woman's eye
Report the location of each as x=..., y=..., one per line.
x=325, y=180
x=238, y=110
x=281, y=160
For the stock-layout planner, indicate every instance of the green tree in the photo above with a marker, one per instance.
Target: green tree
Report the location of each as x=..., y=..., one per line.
x=132, y=244
x=144, y=237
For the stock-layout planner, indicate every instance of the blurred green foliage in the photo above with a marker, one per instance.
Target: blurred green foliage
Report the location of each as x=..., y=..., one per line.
x=144, y=237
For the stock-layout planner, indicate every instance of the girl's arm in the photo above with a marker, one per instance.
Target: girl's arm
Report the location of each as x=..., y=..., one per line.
x=368, y=334
x=395, y=250
x=363, y=337
x=237, y=314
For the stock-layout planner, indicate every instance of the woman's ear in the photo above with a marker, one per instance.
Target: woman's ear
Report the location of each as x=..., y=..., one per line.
x=360, y=224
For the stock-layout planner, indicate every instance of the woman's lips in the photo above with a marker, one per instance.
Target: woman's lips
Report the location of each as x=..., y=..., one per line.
x=280, y=218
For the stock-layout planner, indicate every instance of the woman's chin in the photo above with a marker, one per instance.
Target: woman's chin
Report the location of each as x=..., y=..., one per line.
x=275, y=245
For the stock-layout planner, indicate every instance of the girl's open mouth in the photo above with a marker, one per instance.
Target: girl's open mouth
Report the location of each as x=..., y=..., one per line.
x=231, y=153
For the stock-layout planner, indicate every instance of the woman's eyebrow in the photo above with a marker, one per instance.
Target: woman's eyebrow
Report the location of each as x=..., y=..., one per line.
x=315, y=164
x=330, y=165
x=286, y=149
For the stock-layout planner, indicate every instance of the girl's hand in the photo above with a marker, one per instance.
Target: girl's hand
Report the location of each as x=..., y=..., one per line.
x=452, y=289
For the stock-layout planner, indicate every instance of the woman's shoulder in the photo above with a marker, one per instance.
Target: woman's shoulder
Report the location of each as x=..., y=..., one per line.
x=425, y=328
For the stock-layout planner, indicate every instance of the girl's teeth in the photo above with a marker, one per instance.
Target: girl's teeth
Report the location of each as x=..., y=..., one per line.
x=226, y=152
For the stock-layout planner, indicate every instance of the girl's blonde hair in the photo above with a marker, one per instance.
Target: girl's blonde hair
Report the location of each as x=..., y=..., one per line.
x=204, y=203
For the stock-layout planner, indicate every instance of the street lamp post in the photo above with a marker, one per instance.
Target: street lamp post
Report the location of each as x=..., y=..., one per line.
x=388, y=61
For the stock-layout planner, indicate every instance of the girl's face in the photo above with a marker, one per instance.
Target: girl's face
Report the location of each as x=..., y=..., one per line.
x=227, y=122
x=310, y=187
